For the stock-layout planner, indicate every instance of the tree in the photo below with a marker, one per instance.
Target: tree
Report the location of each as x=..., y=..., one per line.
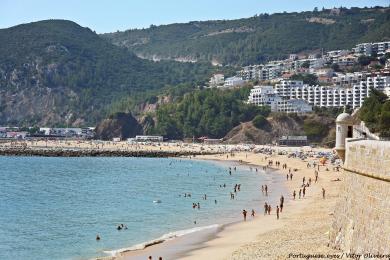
x=374, y=112
x=259, y=121
x=335, y=67
x=310, y=79
x=364, y=60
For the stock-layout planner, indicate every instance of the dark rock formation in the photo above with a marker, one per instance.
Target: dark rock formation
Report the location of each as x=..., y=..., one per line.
x=122, y=125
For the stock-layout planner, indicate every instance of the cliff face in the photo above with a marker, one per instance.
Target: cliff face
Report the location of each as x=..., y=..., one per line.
x=122, y=125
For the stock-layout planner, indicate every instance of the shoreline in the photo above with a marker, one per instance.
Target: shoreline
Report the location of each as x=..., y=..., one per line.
x=188, y=243
x=265, y=237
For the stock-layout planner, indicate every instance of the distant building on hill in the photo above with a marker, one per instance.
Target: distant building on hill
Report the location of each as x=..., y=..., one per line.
x=330, y=96
x=234, y=82
x=371, y=48
x=266, y=96
x=216, y=80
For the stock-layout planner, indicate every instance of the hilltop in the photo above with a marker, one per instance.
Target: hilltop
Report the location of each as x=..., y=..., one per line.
x=259, y=38
x=56, y=72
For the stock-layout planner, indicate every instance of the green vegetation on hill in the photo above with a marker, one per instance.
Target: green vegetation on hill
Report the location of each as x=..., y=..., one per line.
x=210, y=113
x=375, y=112
x=83, y=72
x=259, y=38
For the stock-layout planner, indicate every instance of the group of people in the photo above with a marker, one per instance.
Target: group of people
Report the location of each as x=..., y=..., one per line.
x=244, y=213
x=121, y=226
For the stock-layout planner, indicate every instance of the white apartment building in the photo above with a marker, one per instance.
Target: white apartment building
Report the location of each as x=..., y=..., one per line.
x=387, y=91
x=298, y=106
x=314, y=63
x=363, y=49
x=370, y=48
x=325, y=96
x=234, y=81
x=378, y=82
x=348, y=79
x=217, y=79
x=265, y=96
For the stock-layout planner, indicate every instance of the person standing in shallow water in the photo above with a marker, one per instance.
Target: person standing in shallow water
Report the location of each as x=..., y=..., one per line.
x=265, y=208
x=253, y=213
x=244, y=212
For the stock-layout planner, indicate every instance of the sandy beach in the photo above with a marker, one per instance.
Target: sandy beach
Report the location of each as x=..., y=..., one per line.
x=302, y=228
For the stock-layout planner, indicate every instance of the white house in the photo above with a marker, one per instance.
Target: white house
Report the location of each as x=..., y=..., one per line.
x=217, y=79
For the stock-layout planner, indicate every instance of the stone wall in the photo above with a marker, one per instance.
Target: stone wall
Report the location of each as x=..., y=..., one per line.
x=362, y=216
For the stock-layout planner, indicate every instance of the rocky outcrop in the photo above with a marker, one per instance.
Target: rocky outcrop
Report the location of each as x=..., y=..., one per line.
x=122, y=125
x=278, y=125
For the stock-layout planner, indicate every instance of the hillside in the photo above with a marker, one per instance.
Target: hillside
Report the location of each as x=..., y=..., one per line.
x=56, y=72
x=259, y=38
x=319, y=129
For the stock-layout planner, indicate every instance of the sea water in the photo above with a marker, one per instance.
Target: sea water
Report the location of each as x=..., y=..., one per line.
x=53, y=208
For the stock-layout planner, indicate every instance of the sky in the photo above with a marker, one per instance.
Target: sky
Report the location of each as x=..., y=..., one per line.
x=112, y=15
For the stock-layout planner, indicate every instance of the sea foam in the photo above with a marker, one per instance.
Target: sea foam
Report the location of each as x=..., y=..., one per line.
x=162, y=239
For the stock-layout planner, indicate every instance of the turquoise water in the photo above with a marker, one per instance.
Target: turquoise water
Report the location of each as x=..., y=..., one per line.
x=53, y=208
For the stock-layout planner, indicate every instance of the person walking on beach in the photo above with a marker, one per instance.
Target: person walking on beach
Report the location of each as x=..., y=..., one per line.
x=294, y=194
x=304, y=191
x=253, y=213
x=291, y=175
x=265, y=208
x=300, y=192
x=281, y=203
x=323, y=193
x=244, y=214
x=266, y=190
x=277, y=212
x=287, y=176
x=262, y=189
x=269, y=209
